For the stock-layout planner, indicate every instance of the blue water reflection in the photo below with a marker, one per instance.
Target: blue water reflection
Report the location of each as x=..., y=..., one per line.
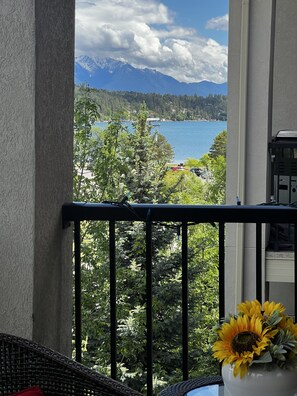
x=210, y=390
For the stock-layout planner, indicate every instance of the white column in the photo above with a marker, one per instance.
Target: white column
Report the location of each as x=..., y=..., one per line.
x=249, y=120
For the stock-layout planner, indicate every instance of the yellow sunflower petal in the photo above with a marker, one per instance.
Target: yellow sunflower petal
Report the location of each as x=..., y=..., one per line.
x=270, y=307
x=240, y=368
x=250, y=308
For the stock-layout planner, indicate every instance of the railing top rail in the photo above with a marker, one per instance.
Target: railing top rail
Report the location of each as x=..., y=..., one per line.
x=79, y=211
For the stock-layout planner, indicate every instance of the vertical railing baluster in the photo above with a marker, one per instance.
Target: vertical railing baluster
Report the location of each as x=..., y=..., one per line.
x=295, y=270
x=259, y=261
x=149, y=308
x=113, y=318
x=221, y=270
x=185, y=301
x=77, y=283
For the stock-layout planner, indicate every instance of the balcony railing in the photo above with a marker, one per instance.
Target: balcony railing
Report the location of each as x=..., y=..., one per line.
x=184, y=215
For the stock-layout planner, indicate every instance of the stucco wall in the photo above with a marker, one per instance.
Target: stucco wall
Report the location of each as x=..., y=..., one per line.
x=17, y=163
x=54, y=84
x=36, y=102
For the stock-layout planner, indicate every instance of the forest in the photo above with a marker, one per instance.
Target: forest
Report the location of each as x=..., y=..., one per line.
x=112, y=163
x=167, y=107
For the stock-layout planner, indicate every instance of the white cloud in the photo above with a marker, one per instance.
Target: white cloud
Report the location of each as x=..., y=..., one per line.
x=218, y=23
x=144, y=34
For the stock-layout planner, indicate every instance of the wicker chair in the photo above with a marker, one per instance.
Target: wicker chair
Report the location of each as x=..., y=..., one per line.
x=24, y=364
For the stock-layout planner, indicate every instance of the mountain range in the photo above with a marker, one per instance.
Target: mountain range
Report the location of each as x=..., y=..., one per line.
x=113, y=75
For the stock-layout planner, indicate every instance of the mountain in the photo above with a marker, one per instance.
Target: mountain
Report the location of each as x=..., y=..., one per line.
x=114, y=75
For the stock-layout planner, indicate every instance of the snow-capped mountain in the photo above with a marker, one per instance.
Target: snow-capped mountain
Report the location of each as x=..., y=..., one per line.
x=114, y=75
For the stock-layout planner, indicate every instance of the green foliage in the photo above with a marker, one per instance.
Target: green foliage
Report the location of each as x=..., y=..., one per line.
x=147, y=158
x=173, y=107
x=114, y=162
x=214, y=164
x=219, y=145
x=192, y=163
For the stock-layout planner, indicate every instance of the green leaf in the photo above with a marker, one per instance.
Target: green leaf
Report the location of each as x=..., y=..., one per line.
x=265, y=358
x=274, y=319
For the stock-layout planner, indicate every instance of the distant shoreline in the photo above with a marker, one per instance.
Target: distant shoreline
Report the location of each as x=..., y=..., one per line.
x=168, y=120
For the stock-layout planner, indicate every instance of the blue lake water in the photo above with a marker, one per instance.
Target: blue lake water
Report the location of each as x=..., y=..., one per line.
x=189, y=139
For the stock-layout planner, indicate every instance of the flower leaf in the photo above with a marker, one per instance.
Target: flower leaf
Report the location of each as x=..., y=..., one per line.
x=265, y=358
x=274, y=319
x=285, y=339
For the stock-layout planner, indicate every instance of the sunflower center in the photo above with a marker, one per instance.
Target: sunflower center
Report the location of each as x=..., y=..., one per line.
x=244, y=342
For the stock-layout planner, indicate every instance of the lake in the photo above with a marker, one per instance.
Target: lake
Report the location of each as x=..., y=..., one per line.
x=189, y=139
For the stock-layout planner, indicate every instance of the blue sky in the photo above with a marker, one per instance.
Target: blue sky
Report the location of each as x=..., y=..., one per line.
x=186, y=39
x=196, y=13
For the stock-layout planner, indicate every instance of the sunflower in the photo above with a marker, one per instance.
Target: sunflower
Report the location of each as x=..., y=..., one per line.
x=254, y=307
x=270, y=307
x=288, y=324
x=241, y=341
x=250, y=308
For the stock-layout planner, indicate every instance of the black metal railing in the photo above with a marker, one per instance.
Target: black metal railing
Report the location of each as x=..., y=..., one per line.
x=183, y=214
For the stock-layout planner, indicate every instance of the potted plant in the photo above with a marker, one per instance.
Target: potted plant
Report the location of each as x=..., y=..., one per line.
x=258, y=350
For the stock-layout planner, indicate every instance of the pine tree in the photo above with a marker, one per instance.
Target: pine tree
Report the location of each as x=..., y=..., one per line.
x=119, y=162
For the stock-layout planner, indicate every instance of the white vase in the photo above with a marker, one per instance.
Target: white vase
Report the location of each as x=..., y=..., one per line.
x=260, y=382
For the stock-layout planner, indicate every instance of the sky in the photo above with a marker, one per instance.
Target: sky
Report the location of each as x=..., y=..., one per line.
x=185, y=39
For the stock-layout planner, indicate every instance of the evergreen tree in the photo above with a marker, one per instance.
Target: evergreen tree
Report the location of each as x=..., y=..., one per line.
x=219, y=145
x=108, y=165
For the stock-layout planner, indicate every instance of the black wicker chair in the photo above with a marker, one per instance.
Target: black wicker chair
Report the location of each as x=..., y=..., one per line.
x=24, y=364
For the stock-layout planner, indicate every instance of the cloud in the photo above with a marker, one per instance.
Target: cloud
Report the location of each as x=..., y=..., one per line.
x=144, y=34
x=218, y=23
x=84, y=4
